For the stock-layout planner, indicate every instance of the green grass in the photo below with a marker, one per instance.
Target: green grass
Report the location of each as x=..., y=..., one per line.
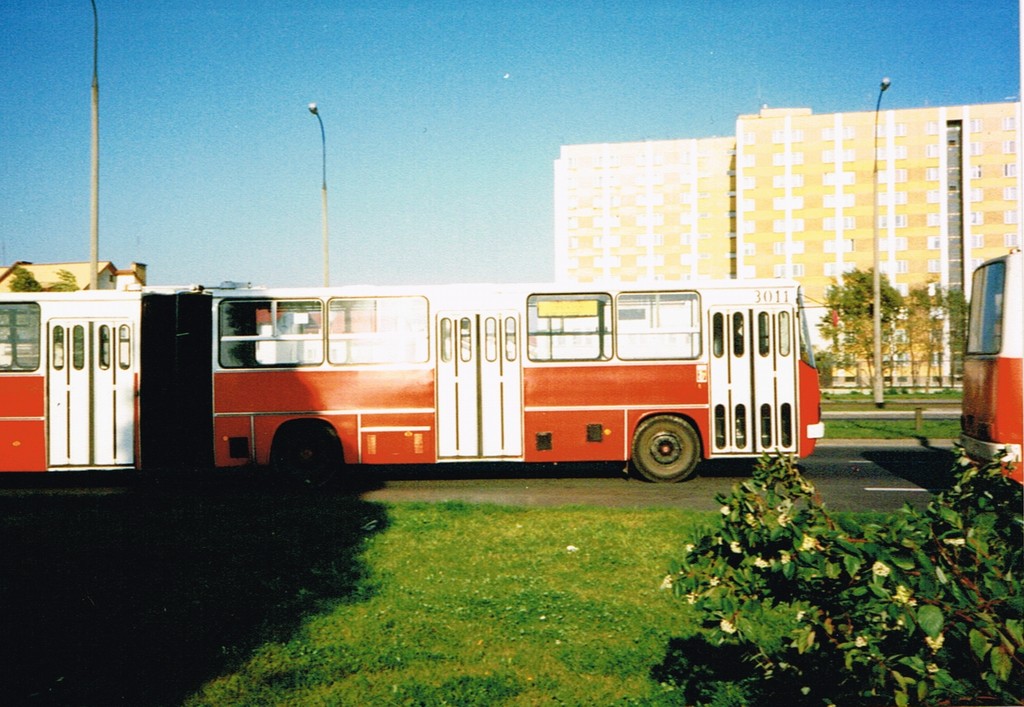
x=483, y=605
x=936, y=430
x=240, y=595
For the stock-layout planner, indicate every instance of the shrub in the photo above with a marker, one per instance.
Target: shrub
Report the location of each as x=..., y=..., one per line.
x=800, y=606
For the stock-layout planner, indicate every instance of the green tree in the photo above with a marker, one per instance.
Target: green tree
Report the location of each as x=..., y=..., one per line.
x=24, y=281
x=849, y=323
x=66, y=282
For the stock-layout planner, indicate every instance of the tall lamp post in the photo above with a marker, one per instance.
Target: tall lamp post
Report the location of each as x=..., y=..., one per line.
x=94, y=209
x=323, y=194
x=877, y=280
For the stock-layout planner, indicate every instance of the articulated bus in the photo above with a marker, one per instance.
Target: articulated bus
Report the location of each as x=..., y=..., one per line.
x=992, y=420
x=308, y=380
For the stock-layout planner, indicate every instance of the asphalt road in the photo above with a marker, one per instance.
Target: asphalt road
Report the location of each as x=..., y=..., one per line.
x=869, y=475
x=847, y=474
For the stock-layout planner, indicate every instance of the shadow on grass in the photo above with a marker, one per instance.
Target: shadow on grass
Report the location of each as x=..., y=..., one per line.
x=141, y=593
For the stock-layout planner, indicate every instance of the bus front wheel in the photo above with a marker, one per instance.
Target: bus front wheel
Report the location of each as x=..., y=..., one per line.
x=307, y=453
x=666, y=449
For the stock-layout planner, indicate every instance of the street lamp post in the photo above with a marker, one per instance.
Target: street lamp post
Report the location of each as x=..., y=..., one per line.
x=94, y=209
x=323, y=193
x=877, y=279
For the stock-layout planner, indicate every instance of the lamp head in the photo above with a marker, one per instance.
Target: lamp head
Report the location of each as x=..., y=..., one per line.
x=312, y=106
x=885, y=84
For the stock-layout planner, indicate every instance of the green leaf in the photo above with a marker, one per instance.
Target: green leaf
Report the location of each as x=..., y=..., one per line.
x=930, y=619
x=1014, y=628
x=1001, y=663
x=979, y=643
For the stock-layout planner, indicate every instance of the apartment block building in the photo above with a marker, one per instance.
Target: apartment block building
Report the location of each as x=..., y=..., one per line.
x=792, y=194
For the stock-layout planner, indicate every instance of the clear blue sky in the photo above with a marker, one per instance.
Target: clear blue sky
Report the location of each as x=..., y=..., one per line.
x=443, y=119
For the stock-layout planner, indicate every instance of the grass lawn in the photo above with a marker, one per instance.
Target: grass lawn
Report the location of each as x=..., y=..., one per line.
x=482, y=605
x=239, y=596
x=864, y=428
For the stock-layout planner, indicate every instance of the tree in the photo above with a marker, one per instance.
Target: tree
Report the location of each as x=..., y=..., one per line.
x=66, y=282
x=24, y=281
x=849, y=324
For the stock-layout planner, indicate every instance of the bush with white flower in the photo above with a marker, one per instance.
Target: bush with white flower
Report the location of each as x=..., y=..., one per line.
x=804, y=607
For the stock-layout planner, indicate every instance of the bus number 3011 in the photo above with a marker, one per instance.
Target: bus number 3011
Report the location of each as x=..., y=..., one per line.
x=772, y=296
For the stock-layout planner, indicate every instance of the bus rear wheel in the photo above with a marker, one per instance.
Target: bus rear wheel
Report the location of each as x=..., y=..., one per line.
x=306, y=453
x=666, y=449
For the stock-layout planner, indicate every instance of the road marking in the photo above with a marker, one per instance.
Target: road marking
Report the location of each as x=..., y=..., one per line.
x=915, y=489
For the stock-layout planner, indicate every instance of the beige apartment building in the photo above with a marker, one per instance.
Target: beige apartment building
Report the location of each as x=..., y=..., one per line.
x=791, y=194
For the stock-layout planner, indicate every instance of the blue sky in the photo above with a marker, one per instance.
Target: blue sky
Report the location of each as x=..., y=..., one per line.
x=442, y=119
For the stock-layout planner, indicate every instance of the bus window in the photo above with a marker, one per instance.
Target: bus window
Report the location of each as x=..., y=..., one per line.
x=78, y=347
x=58, y=350
x=718, y=334
x=766, y=425
x=741, y=425
x=570, y=327
x=270, y=333
x=124, y=347
x=657, y=326
x=985, y=335
x=764, y=336
x=511, y=340
x=491, y=339
x=19, y=337
x=379, y=330
x=785, y=334
x=446, y=340
x=738, y=334
x=465, y=339
x=104, y=346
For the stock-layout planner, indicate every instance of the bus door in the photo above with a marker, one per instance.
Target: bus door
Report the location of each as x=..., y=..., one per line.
x=479, y=385
x=753, y=379
x=91, y=393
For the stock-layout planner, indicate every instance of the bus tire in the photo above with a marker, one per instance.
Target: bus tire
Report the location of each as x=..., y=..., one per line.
x=306, y=452
x=666, y=449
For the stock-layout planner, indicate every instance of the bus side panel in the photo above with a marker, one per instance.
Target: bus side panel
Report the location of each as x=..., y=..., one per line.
x=654, y=386
x=317, y=391
x=22, y=427
x=990, y=417
x=809, y=401
x=589, y=413
x=175, y=419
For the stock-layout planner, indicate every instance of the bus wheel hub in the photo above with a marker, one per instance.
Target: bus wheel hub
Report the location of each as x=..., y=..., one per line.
x=665, y=449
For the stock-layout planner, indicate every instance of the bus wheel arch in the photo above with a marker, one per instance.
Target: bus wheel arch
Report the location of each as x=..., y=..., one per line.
x=665, y=449
x=306, y=451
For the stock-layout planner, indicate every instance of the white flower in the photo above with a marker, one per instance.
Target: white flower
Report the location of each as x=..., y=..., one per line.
x=800, y=615
x=571, y=548
x=880, y=569
x=691, y=598
x=954, y=541
x=861, y=642
x=784, y=519
x=725, y=510
x=809, y=543
x=690, y=547
x=784, y=557
x=735, y=547
x=761, y=562
x=935, y=643
x=727, y=626
x=666, y=583
x=714, y=581
x=904, y=596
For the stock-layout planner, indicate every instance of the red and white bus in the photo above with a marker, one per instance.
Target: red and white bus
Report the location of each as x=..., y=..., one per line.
x=992, y=419
x=309, y=380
